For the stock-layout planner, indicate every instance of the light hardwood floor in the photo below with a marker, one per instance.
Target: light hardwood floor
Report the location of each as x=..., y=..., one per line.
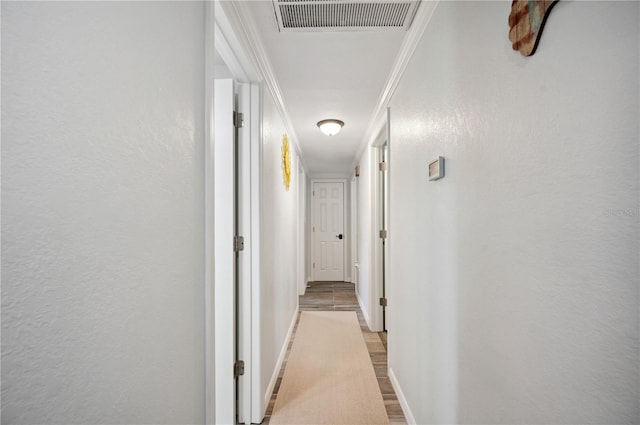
x=331, y=296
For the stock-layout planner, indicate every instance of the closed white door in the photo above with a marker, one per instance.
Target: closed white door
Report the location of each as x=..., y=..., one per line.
x=328, y=231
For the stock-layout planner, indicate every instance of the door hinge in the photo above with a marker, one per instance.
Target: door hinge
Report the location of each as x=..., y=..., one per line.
x=383, y=302
x=314, y=265
x=314, y=228
x=382, y=166
x=238, y=119
x=238, y=368
x=238, y=243
x=383, y=234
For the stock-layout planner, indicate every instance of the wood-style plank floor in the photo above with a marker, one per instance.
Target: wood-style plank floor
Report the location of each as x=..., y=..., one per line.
x=332, y=296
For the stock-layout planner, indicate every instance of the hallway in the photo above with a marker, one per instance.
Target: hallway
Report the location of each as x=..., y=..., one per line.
x=510, y=235
x=340, y=296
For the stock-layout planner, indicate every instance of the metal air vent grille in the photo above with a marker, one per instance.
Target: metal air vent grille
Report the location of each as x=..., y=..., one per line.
x=346, y=15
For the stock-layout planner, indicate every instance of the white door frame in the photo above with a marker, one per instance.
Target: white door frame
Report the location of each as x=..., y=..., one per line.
x=253, y=355
x=250, y=404
x=376, y=220
x=249, y=261
x=353, y=208
x=302, y=225
x=249, y=226
x=375, y=311
x=344, y=221
x=224, y=288
x=387, y=245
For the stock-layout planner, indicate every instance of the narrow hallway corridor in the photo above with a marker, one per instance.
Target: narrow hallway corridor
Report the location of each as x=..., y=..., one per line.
x=170, y=185
x=340, y=296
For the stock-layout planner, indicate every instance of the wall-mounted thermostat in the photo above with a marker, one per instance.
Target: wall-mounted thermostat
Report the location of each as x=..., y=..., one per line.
x=436, y=169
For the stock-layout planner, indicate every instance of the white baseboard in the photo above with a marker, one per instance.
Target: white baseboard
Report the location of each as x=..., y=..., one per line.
x=276, y=372
x=408, y=415
x=365, y=312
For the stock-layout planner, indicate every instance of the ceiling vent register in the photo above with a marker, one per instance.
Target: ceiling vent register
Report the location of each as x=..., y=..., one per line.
x=344, y=15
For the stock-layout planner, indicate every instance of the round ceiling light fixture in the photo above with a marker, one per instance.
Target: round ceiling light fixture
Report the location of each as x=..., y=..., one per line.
x=330, y=127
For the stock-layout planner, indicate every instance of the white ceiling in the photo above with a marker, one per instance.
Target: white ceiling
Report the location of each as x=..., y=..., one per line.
x=329, y=74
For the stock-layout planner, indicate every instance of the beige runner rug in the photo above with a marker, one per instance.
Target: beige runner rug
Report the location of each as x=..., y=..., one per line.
x=328, y=378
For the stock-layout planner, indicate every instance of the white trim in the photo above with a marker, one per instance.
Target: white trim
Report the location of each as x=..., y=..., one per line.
x=245, y=229
x=255, y=247
x=364, y=311
x=348, y=239
x=375, y=288
x=344, y=221
x=279, y=363
x=301, y=228
x=224, y=254
x=226, y=53
x=231, y=48
x=353, y=230
x=252, y=41
x=209, y=207
x=408, y=47
x=408, y=414
x=387, y=224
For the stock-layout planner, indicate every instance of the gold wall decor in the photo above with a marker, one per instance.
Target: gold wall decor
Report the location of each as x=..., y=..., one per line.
x=526, y=23
x=286, y=162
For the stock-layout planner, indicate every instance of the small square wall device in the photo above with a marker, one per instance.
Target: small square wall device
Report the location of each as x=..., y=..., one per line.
x=436, y=169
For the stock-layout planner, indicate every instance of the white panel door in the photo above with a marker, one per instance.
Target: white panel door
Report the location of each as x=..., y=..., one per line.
x=328, y=231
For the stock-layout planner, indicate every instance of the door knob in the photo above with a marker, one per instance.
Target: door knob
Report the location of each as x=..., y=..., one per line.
x=339, y=236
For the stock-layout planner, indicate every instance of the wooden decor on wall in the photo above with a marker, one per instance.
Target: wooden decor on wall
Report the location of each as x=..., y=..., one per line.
x=526, y=22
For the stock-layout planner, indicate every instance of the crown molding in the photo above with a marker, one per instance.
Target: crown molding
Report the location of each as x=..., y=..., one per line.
x=409, y=44
x=238, y=14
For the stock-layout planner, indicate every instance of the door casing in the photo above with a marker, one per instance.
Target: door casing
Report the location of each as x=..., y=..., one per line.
x=380, y=275
x=313, y=223
x=224, y=269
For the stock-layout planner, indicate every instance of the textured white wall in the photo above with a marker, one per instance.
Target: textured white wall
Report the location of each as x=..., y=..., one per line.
x=102, y=212
x=279, y=285
x=515, y=278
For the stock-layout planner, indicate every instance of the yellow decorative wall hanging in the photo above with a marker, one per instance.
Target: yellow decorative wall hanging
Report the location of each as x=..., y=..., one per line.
x=286, y=162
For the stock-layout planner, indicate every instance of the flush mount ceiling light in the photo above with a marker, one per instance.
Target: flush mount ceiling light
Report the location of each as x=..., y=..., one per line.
x=330, y=127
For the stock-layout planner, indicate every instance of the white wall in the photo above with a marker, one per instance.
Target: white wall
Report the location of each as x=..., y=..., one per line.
x=279, y=286
x=519, y=270
x=102, y=212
